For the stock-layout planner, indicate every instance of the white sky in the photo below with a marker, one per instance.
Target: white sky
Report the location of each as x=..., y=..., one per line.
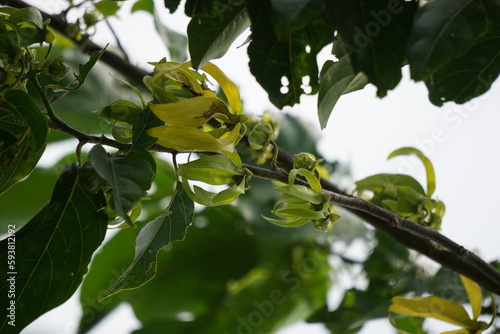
x=463, y=143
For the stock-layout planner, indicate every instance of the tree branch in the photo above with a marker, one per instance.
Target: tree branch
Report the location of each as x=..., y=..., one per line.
x=420, y=238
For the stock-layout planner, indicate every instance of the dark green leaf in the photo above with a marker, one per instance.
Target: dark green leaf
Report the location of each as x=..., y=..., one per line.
x=469, y=75
x=108, y=7
x=129, y=176
x=336, y=79
x=210, y=38
x=146, y=120
x=26, y=132
x=235, y=278
x=442, y=30
x=145, y=5
x=172, y=5
x=210, y=8
x=375, y=35
x=106, y=267
x=290, y=16
x=169, y=227
x=285, y=68
x=53, y=250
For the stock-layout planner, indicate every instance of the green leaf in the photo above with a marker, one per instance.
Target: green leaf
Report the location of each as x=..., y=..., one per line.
x=53, y=250
x=211, y=38
x=25, y=130
x=145, y=5
x=169, y=227
x=172, y=5
x=336, y=79
x=176, y=43
x=286, y=69
x=378, y=182
x=443, y=30
x=145, y=121
x=429, y=169
x=107, y=265
x=121, y=110
x=375, y=35
x=211, y=169
x=129, y=176
x=469, y=75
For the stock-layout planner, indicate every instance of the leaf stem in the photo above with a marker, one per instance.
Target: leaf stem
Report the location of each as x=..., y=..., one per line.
x=43, y=96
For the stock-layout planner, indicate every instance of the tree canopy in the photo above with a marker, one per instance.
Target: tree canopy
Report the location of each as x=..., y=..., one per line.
x=268, y=237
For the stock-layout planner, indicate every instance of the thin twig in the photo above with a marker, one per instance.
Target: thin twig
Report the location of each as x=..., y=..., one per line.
x=117, y=39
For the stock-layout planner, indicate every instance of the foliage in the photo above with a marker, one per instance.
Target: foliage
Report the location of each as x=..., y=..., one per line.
x=223, y=267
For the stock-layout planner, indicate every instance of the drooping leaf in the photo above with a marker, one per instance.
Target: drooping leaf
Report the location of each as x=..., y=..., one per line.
x=177, y=44
x=408, y=325
x=184, y=139
x=169, y=227
x=121, y=110
x=28, y=14
x=53, y=250
x=474, y=294
x=286, y=69
x=23, y=143
x=210, y=38
x=107, y=265
x=377, y=182
x=375, y=35
x=336, y=79
x=129, y=176
x=471, y=74
x=443, y=30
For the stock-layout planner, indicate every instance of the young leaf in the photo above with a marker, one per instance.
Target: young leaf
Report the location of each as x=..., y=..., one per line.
x=87, y=67
x=211, y=38
x=336, y=79
x=168, y=227
x=53, y=250
x=129, y=176
x=443, y=30
x=211, y=169
x=25, y=130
